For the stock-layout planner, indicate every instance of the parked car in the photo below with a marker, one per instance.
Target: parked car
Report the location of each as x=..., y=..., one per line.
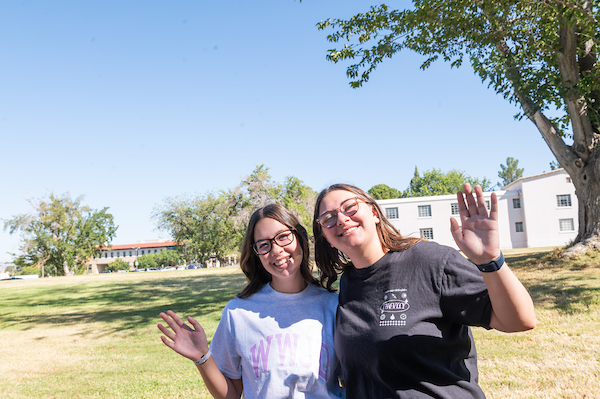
x=182, y=267
x=105, y=271
x=192, y=267
x=166, y=269
x=152, y=269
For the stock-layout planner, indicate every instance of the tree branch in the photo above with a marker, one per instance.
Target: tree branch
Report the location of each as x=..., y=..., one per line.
x=583, y=11
x=576, y=103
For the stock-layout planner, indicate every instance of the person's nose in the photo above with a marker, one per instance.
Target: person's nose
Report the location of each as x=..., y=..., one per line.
x=276, y=248
x=341, y=218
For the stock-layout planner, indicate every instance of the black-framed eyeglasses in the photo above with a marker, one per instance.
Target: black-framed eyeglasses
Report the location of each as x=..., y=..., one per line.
x=284, y=238
x=348, y=208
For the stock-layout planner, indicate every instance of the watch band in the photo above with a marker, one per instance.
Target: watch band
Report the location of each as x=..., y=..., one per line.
x=493, y=266
x=203, y=359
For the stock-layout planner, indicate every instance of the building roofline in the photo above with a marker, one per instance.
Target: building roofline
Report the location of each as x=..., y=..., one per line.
x=142, y=245
x=445, y=197
x=533, y=177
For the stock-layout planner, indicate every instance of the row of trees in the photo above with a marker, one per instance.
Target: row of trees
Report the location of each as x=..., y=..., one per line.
x=436, y=182
x=213, y=224
x=61, y=235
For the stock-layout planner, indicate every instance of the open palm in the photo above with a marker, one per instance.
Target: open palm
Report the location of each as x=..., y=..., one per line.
x=183, y=339
x=479, y=237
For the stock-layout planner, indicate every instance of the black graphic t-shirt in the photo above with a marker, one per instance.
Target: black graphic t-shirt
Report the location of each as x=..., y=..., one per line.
x=402, y=327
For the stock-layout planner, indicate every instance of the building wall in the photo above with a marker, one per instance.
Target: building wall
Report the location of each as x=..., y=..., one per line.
x=99, y=264
x=534, y=224
x=542, y=213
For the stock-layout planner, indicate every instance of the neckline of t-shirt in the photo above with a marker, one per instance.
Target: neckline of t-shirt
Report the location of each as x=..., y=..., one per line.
x=367, y=271
x=286, y=295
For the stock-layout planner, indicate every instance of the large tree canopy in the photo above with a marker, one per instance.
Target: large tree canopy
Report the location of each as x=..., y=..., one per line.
x=61, y=233
x=540, y=54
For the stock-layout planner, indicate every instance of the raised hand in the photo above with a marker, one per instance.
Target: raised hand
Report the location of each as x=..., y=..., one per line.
x=479, y=239
x=187, y=341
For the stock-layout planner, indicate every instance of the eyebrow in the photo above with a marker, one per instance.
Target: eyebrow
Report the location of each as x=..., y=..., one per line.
x=339, y=205
x=276, y=234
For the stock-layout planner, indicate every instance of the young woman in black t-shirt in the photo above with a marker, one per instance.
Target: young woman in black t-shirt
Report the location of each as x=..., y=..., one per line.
x=406, y=304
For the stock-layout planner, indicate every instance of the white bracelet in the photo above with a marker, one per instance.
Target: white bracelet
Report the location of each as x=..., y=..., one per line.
x=204, y=358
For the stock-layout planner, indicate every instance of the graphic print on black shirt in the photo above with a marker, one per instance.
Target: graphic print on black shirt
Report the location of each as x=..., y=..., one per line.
x=394, y=307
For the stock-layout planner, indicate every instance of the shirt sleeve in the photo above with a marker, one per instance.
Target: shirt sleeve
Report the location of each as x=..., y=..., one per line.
x=465, y=297
x=224, y=348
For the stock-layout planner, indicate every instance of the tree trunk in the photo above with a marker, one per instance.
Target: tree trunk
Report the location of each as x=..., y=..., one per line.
x=587, y=188
x=582, y=159
x=585, y=176
x=66, y=268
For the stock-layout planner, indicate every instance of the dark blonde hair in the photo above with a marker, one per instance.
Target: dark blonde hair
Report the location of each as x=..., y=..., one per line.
x=330, y=259
x=250, y=262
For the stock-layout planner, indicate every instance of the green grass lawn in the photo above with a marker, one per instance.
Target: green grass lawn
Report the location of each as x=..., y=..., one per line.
x=96, y=336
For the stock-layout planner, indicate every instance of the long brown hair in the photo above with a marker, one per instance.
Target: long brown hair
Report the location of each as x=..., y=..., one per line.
x=250, y=262
x=331, y=259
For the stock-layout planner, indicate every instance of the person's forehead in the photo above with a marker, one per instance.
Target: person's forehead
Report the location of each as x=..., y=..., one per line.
x=334, y=199
x=268, y=228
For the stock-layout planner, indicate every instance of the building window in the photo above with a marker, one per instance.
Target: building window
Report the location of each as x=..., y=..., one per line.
x=517, y=203
x=130, y=253
x=568, y=180
x=424, y=211
x=519, y=227
x=566, y=225
x=563, y=200
x=118, y=254
x=142, y=251
x=391, y=213
x=112, y=254
x=155, y=251
x=427, y=233
x=454, y=209
x=106, y=255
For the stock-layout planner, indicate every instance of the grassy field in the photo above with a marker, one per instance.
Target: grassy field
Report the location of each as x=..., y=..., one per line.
x=96, y=336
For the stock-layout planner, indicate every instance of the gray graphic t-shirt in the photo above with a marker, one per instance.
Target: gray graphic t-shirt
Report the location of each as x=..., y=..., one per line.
x=280, y=345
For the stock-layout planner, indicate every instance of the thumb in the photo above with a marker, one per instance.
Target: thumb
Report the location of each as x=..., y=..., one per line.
x=456, y=232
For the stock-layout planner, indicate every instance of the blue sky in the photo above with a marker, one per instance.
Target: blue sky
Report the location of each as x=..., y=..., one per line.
x=129, y=103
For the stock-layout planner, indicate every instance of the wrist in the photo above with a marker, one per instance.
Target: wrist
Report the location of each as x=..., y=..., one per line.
x=204, y=358
x=492, y=266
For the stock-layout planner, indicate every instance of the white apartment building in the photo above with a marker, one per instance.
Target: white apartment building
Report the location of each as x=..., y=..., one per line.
x=534, y=211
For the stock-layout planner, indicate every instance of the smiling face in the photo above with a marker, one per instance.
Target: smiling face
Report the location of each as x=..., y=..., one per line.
x=355, y=235
x=282, y=263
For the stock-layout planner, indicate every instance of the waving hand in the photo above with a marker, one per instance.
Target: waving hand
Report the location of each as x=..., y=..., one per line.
x=479, y=238
x=188, y=342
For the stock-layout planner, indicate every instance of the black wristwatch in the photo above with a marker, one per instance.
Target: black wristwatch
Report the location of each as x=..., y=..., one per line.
x=493, y=266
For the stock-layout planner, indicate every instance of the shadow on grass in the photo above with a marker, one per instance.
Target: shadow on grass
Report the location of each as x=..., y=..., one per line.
x=562, y=294
x=122, y=306
x=575, y=288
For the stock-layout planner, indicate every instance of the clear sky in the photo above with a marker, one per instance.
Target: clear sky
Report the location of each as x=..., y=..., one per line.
x=131, y=102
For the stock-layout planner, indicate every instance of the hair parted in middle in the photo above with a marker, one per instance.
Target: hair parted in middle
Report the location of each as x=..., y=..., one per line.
x=331, y=259
x=250, y=262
